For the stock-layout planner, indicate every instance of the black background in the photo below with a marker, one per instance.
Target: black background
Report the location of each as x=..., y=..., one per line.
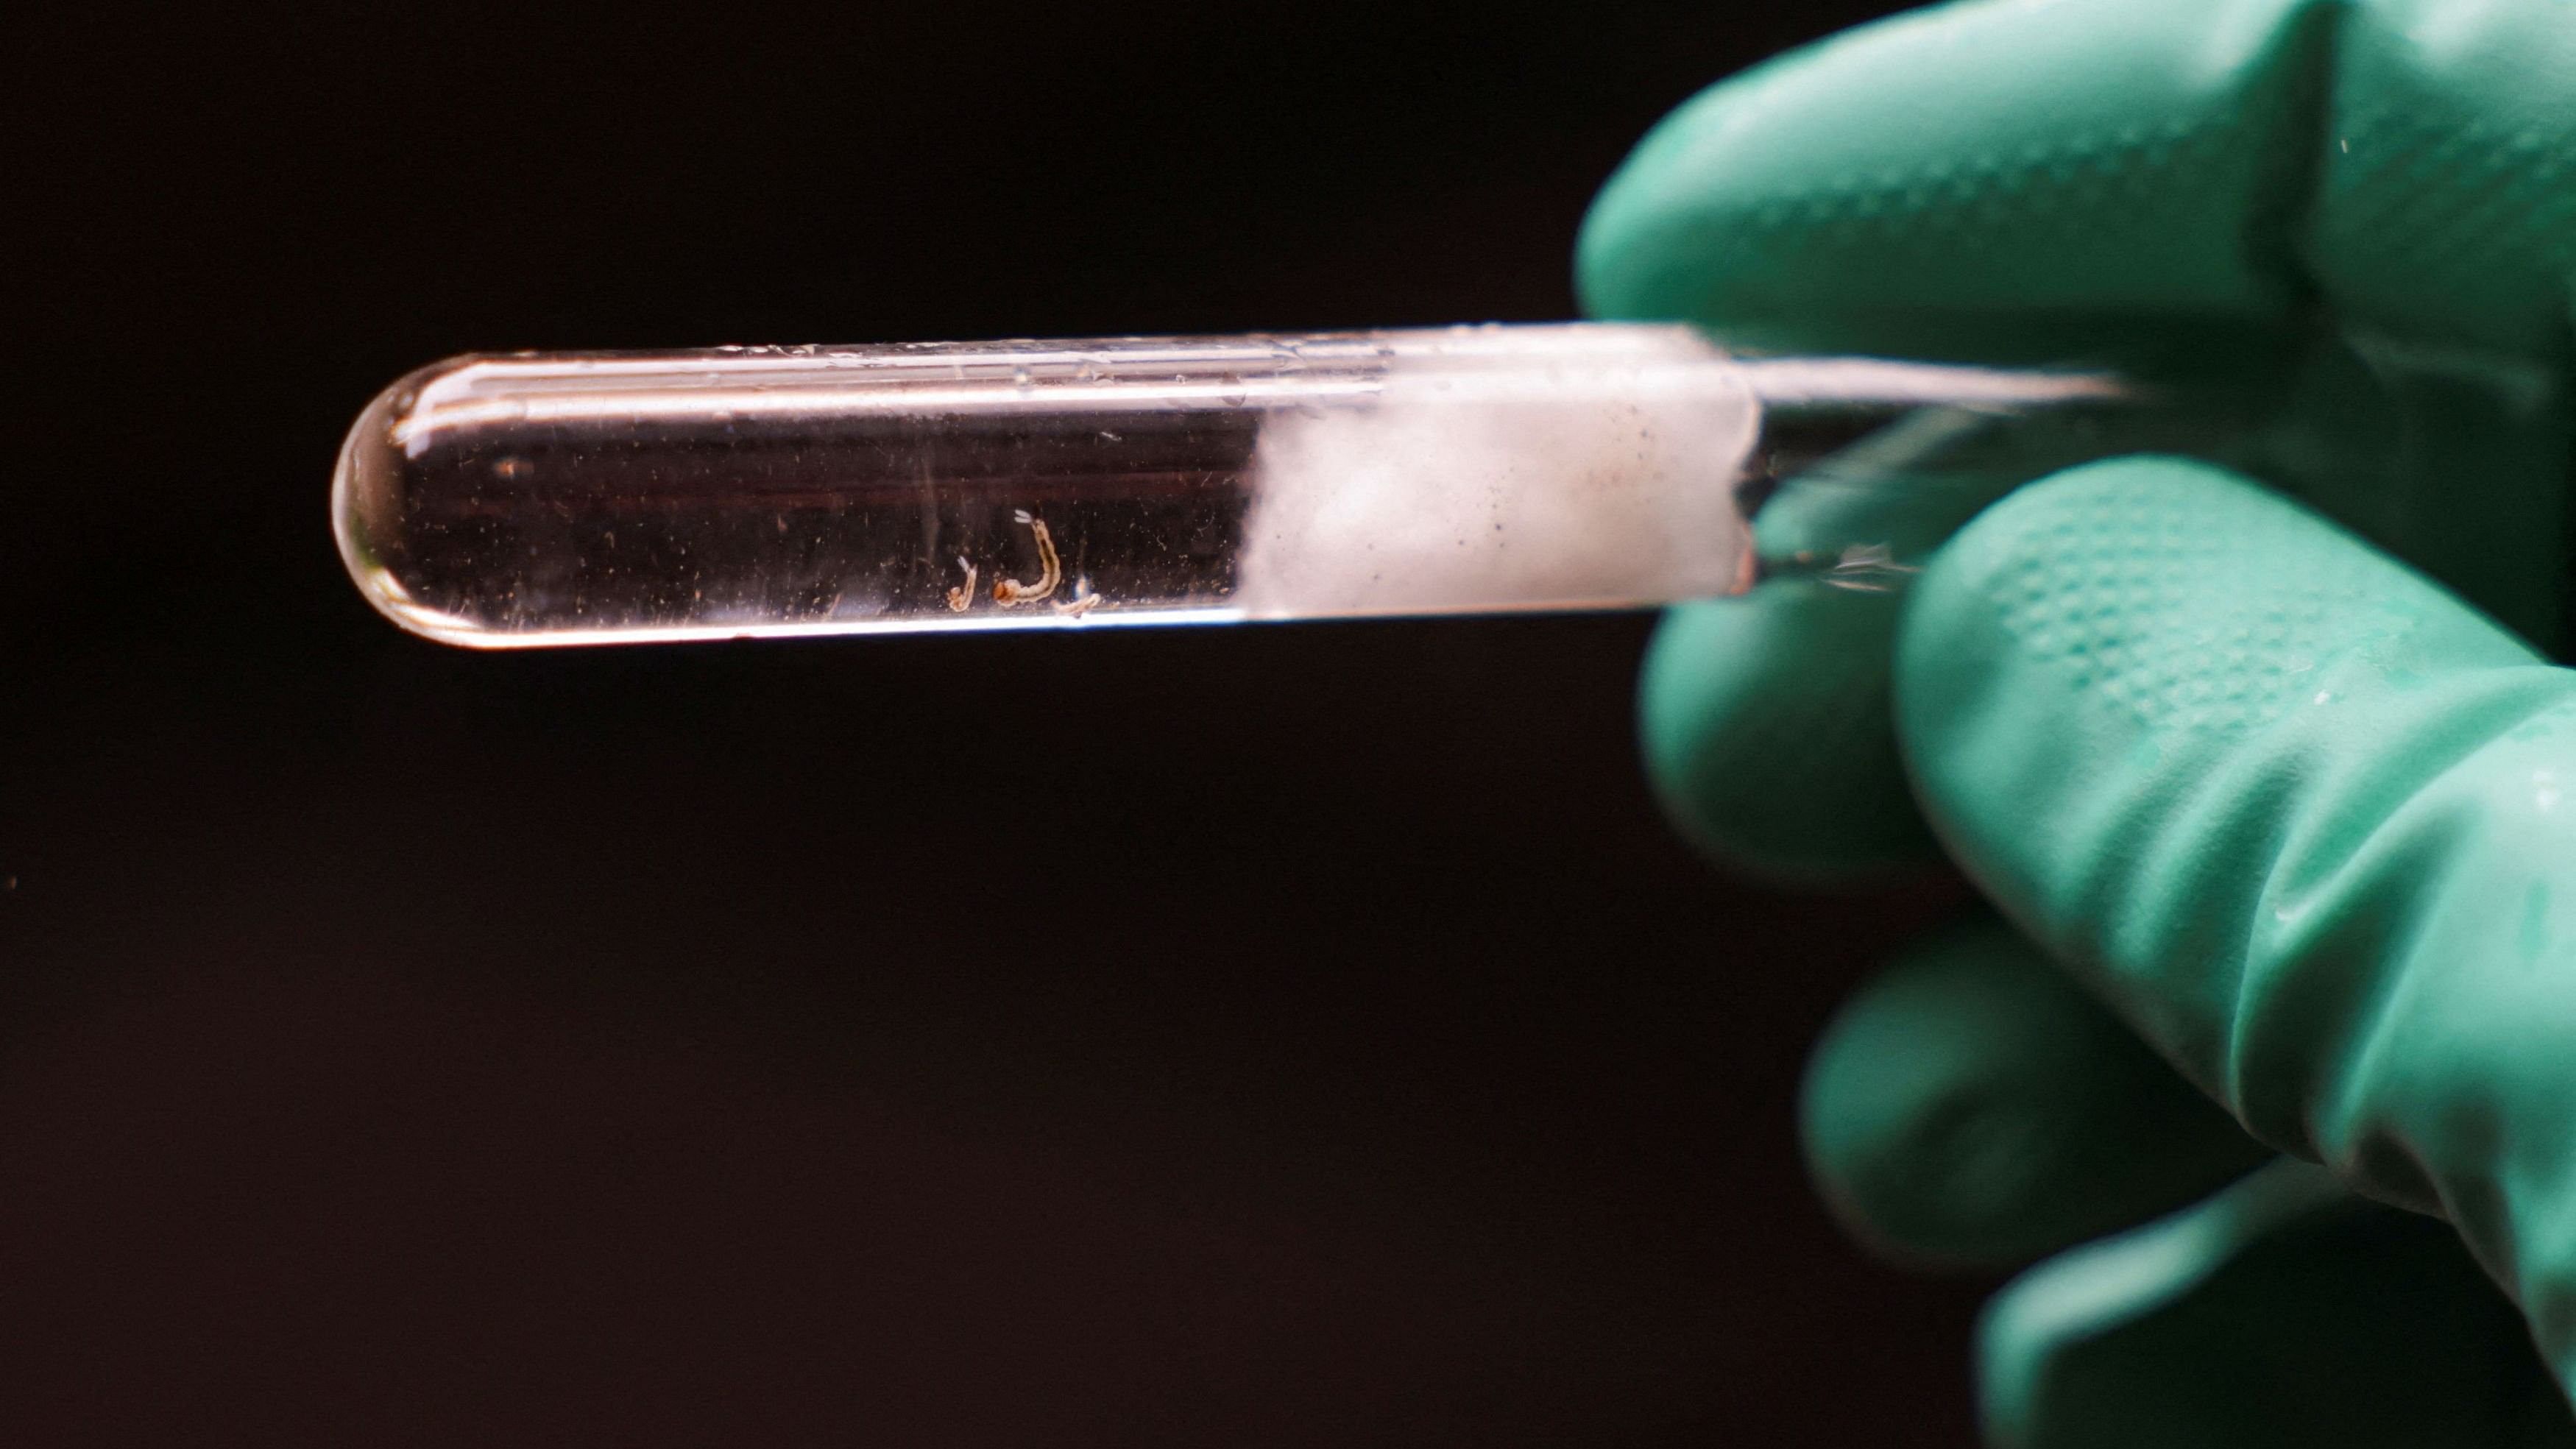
x=1301, y=1035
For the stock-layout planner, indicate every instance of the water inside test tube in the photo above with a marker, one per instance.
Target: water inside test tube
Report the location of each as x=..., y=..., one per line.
x=578, y=498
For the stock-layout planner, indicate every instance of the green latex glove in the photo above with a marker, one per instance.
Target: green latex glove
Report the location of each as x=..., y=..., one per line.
x=2287, y=811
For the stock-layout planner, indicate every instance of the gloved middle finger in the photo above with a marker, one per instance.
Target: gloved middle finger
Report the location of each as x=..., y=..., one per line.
x=1974, y=1106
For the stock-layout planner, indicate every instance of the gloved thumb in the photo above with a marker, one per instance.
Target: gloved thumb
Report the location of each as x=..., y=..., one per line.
x=2291, y=810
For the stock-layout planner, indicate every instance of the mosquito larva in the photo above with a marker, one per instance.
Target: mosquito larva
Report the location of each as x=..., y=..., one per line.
x=1011, y=592
x=1082, y=602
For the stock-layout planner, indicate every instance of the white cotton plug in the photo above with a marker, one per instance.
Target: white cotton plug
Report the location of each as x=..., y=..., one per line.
x=1473, y=489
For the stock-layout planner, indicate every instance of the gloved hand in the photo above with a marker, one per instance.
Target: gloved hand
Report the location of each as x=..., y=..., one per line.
x=2286, y=829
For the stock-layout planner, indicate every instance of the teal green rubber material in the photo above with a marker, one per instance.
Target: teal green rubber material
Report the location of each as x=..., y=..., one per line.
x=2367, y=205
x=1974, y=1108
x=2295, y=813
x=1792, y=677
x=2286, y=808
x=2282, y=1311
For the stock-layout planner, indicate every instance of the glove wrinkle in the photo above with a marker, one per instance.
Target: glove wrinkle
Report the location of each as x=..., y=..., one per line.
x=2295, y=813
x=2290, y=811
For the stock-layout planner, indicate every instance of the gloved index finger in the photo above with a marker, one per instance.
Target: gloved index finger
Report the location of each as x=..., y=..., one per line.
x=2009, y=180
x=2294, y=813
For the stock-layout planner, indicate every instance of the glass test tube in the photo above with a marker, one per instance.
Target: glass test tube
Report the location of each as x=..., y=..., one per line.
x=577, y=498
